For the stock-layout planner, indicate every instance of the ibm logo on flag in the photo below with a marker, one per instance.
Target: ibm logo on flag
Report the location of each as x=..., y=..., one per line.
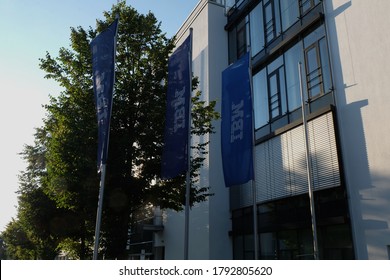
x=237, y=122
x=179, y=108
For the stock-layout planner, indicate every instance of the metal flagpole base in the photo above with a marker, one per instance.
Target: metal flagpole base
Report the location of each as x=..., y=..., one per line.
x=99, y=212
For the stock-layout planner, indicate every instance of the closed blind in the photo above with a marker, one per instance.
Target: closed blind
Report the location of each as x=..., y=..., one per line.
x=281, y=164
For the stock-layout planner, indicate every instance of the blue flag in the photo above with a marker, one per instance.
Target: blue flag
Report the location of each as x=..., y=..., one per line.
x=175, y=152
x=103, y=62
x=237, y=128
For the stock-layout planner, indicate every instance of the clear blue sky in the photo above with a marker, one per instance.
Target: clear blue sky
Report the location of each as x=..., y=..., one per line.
x=29, y=28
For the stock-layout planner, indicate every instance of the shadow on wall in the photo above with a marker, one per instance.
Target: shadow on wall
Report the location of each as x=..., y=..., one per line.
x=355, y=164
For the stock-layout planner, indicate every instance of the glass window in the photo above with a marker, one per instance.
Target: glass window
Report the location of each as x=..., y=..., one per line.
x=277, y=18
x=318, y=77
x=241, y=39
x=248, y=247
x=232, y=46
x=277, y=63
x=271, y=20
x=274, y=94
x=307, y=5
x=238, y=250
x=276, y=88
x=289, y=13
x=288, y=245
x=268, y=246
x=260, y=96
x=326, y=76
x=314, y=36
x=283, y=96
x=291, y=59
x=313, y=71
x=256, y=30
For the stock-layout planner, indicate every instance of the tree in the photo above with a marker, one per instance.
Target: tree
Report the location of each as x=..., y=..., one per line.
x=39, y=227
x=66, y=183
x=16, y=242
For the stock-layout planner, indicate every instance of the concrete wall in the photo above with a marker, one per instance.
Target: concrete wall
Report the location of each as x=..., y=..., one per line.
x=360, y=56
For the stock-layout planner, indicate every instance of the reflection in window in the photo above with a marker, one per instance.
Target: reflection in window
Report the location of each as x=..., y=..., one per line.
x=274, y=94
x=241, y=39
x=306, y=5
x=268, y=246
x=291, y=59
x=260, y=92
x=276, y=88
x=289, y=13
x=271, y=20
x=256, y=30
x=318, y=77
x=313, y=71
x=326, y=76
x=264, y=23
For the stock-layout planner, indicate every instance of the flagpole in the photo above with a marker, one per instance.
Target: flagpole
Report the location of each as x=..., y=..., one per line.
x=103, y=163
x=188, y=175
x=254, y=192
x=99, y=211
x=309, y=166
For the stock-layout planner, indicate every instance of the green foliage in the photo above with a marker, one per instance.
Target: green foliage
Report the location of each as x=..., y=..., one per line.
x=17, y=243
x=59, y=189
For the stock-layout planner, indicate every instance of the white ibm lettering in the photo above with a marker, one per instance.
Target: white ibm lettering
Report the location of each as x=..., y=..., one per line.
x=237, y=122
x=179, y=106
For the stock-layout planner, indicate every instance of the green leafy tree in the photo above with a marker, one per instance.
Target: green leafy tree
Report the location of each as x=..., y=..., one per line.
x=70, y=140
x=40, y=223
x=59, y=190
x=16, y=242
x=3, y=250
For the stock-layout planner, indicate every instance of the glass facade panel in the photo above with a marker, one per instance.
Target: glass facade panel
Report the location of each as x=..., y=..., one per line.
x=268, y=248
x=325, y=65
x=288, y=244
x=313, y=71
x=238, y=252
x=256, y=30
x=277, y=85
x=291, y=59
x=274, y=95
x=305, y=5
x=264, y=23
x=241, y=39
x=285, y=228
x=282, y=85
x=276, y=7
x=284, y=223
x=277, y=63
x=269, y=22
x=260, y=96
x=289, y=10
x=314, y=36
x=232, y=46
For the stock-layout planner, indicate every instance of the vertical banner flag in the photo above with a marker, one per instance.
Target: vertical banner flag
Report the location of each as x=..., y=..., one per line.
x=175, y=152
x=103, y=60
x=237, y=128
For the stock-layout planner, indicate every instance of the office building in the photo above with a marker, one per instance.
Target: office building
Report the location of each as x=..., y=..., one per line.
x=344, y=55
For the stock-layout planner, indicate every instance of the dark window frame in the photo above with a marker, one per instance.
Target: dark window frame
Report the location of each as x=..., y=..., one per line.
x=271, y=24
x=278, y=93
x=314, y=74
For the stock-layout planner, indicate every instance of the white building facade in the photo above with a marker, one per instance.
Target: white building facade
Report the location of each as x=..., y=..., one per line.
x=345, y=57
x=209, y=221
x=360, y=59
